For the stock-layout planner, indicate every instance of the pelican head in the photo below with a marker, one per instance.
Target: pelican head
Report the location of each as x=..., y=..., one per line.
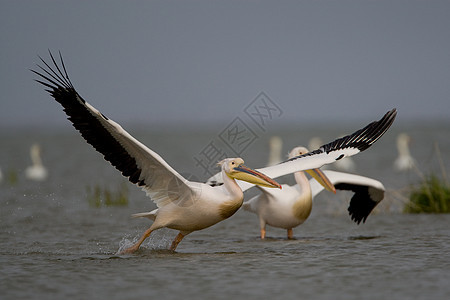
x=235, y=168
x=317, y=174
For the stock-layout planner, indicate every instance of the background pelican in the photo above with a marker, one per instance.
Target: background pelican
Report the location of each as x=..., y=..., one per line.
x=275, y=148
x=182, y=205
x=291, y=206
x=404, y=161
x=36, y=171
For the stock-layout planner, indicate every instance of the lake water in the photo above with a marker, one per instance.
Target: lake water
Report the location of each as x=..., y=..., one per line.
x=56, y=244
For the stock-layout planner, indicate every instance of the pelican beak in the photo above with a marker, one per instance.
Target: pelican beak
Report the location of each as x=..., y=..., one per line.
x=321, y=178
x=244, y=173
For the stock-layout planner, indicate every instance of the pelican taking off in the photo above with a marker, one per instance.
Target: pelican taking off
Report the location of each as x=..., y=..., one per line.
x=36, y=171
x=291, y=206
x=182, y=205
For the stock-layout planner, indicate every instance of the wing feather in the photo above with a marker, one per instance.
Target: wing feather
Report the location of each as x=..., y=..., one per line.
x=134, y=160
x=368, y=192
x=343, y=147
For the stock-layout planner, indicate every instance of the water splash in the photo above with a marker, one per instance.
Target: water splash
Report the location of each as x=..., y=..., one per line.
x=159, y=240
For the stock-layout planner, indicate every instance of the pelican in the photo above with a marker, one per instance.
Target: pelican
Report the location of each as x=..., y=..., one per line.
x=291, y=206
x=182, y=205
x=404, y=161
x=36, y=171
x=275, y=148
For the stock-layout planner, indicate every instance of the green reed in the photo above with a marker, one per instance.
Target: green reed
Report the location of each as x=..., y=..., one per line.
x=98, y=196
x=432, y=195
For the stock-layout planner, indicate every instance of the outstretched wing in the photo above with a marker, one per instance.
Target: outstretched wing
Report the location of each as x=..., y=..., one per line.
x=134, y=160
x=343, y=147
x=368, y=192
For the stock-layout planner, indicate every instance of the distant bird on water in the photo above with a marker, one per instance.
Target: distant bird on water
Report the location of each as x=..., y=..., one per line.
x=275, y=150
x=404, y=161
x=36, y=171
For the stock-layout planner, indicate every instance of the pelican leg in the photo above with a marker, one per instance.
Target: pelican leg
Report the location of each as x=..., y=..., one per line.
x=136, y=246
x=262, y=226
x=290, y=234
x=177, y=240
x=263, y=233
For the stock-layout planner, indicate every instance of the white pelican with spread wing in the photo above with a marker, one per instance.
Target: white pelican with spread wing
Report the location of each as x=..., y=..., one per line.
x=291, y=206
x=340, y=148
x=183, y=205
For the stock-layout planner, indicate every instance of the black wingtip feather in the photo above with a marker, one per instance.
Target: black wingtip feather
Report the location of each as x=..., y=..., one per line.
x=361, y=204
x=84, y=120
x=360, y=139
x=366, y=137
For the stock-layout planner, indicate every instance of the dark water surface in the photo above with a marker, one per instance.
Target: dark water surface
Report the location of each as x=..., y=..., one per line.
x=55, y=244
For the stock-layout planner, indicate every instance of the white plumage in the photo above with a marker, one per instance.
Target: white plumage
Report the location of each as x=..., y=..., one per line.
x=347, y=164
x=291, y=206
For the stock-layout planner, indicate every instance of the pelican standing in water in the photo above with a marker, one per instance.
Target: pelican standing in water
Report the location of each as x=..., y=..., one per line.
x=36, y=171
x=275, y=148
x=184, y=205
x=291, y=206
x=404, y=161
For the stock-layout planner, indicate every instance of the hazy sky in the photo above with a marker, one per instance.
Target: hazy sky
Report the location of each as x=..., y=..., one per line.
x=163, y=62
